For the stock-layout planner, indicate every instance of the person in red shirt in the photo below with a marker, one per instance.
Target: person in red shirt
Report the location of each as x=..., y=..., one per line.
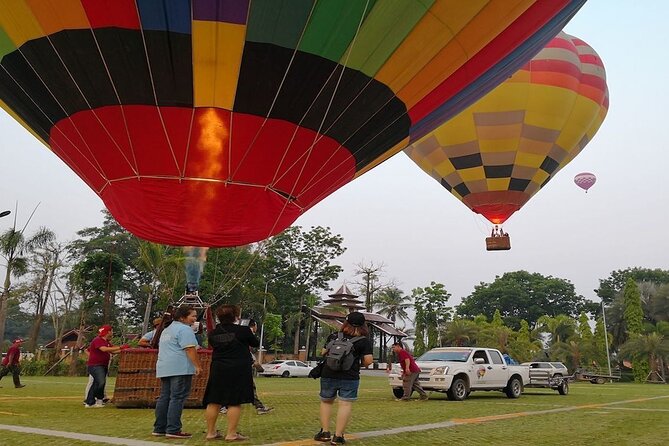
x=410, y=372
x=99, y=353
x=10, y=364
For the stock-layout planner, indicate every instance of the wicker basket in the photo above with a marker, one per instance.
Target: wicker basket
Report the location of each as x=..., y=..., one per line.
x=137, y=385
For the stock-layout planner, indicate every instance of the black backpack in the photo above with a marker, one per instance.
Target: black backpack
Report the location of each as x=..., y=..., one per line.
x=340, y=355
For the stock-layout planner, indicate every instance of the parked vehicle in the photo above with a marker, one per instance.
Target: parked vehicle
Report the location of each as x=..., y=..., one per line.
x=553, y=375
x=596, y=375
x=457, y=371
x=285, y=368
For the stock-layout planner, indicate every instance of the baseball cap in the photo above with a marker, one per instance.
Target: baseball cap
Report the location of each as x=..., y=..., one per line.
x=356, y=319
x=17, y=340
x=102, y=331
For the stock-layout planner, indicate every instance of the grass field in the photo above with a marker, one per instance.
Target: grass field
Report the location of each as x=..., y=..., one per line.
x=609, y=414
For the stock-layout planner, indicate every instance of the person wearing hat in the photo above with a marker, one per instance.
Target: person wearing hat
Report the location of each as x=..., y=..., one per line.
x=10, y=364
x=99, y=354
x=145, y=341
x=343, y=384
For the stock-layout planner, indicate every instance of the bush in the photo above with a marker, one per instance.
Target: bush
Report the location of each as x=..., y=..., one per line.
x=34, y=367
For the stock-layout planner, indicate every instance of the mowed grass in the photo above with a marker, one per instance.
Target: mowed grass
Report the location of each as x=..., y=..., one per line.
x=619, y=414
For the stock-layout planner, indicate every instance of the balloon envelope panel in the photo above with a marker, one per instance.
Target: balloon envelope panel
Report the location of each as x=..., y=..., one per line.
x=499, y=152
x=218, y=122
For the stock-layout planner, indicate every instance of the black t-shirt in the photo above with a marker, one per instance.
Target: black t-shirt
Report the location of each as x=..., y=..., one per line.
x=360, y=348
x=231, y=343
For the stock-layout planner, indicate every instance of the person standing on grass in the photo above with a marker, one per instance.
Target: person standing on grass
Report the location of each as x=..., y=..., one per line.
x=230, y=376
x=99, y=354
x=10, y=363
x=176, y=365
x=343, y=384
x=410, y=373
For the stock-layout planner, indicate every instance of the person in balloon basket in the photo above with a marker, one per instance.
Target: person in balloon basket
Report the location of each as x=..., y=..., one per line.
x=410, y=373
x=343, y=384
x=99, y=354
x=176, y=365
x=10, y=363
x=145, y=340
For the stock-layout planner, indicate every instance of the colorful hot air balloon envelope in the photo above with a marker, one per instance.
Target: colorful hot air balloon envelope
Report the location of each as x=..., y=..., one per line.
x=218, y=122
x=499, y=152
x=585, y=180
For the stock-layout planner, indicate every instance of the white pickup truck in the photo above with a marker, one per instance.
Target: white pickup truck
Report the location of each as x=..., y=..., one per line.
x=461, y=370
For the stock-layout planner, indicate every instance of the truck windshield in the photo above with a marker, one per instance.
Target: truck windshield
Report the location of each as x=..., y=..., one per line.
x=448, y=355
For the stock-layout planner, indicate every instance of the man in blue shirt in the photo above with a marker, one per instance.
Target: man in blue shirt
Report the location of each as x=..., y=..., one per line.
x=177, y=363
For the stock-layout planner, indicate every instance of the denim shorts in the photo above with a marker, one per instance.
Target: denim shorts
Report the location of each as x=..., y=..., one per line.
x=346, y=389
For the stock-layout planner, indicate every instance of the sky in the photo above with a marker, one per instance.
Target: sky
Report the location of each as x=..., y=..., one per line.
x=399, y=216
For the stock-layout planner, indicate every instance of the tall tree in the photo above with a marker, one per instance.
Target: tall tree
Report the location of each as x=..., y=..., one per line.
x=393, y=304
x=305, y=258
x=612, y=285
x=633, y=311
x=431, y=310
x=649, y=349
x=522, y=295
x=370, y=282
x=560, y=328
x=458, y=332
x=14, y=246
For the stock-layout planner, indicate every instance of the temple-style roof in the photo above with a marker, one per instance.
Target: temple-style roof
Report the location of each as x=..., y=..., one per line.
x=335, y=319
x=343, y=297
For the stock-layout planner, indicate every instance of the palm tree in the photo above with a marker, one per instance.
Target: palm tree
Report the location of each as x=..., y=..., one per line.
x=570, y=352
x=393, y=304
x=458, y=332
x=559, y=327
x=159, y=263
x=13, y=248
x=654, y=347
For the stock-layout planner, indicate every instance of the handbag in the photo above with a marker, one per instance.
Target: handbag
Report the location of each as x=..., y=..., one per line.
x=316, y=372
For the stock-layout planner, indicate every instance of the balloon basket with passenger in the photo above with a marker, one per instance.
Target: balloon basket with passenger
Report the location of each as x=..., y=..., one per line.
x=498, y=240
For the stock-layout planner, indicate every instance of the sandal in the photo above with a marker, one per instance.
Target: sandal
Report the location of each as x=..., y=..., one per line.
x=238, y=437
x=218, y=436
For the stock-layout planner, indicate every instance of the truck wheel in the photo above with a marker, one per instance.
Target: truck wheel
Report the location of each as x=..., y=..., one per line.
x=600, y=380
x=458, y=390
x=563, y=388
x=398, y=392
x=514, y=388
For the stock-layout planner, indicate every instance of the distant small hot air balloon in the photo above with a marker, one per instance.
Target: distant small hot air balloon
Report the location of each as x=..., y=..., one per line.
x=585, y=180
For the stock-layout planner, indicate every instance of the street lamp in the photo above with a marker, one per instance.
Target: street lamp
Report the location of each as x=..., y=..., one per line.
x=264, y=312
x=5, y=213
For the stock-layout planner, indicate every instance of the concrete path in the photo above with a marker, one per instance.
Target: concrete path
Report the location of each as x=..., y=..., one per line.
x=77, y=436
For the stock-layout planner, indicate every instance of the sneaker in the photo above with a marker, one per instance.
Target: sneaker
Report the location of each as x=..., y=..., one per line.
x=264, y=410
x=322, y=436
x=178, y=435
x=158, y=434
x=20, y=386
x=223, y=410
x=92, y=406
x=100, y=404
x=336, y=439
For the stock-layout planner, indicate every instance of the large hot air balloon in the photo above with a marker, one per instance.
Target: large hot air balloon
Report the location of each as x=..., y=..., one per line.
x=499, y=152
x=585, y=180
x=218, y=122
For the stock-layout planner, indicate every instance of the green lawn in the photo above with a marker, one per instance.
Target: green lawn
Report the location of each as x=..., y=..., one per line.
x=580, y=418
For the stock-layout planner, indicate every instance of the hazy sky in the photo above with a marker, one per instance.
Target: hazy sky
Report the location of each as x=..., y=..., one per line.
x=397, y=215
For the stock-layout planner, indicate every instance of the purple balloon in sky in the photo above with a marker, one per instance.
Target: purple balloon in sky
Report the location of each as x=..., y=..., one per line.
x=585, y=180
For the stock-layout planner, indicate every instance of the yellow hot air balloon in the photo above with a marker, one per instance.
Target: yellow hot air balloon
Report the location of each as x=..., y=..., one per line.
x=495, y=155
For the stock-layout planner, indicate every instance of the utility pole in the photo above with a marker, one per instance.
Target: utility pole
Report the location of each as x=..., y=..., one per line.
x=606, y=339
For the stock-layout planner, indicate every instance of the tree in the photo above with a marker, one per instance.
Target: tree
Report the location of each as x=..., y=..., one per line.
x=13, y=248
x=633, y=311
x=650, y=349
x=305, y=259
x=458, y=332
x=611, y=286
x=522, y=295
x=560, y=327
x=163, y=266
x=431, y=311
x=370, y=282
x=393, y=304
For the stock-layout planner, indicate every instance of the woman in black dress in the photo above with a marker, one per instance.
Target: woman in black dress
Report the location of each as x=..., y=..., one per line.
x=230, y=377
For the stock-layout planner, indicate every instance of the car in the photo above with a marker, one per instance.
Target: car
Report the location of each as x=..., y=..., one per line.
x=555, y=369
x=285, y=368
